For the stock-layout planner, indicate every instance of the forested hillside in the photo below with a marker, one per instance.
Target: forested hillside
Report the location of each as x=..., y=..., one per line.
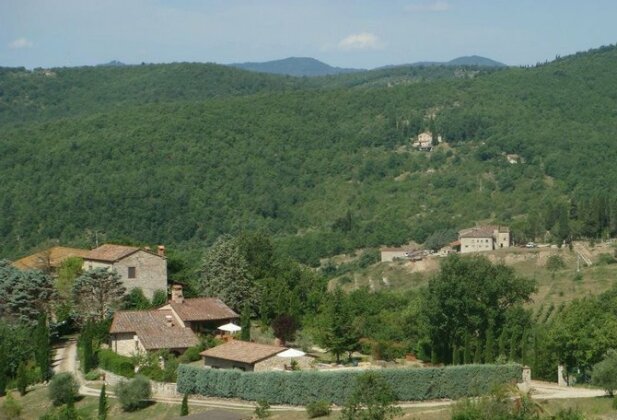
x=185, y=152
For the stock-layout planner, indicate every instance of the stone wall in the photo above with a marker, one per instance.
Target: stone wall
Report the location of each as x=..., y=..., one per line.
x=159, y=389
x=125, y=344
x=150, y=272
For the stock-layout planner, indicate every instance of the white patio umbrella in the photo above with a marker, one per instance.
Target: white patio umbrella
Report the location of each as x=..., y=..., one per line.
x=231, y=327
x=291, y=353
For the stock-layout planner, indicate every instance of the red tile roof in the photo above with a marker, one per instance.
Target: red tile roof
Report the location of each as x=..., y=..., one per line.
x=51, y=257
x=243, y=351
x=203, y=309
x=111, y=252
x=153, y=330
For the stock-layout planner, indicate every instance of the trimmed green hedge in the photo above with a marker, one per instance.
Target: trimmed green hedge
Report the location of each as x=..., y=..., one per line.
x=113, y=362
x=303, y=387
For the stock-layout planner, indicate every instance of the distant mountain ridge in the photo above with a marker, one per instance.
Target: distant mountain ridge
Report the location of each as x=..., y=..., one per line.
x=294, y=66
x=311, y=67
x=466, y=60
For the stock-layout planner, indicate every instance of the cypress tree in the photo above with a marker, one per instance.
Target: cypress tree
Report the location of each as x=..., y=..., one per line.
x=535, y=360
x=43, y=347
x=103, y=406
x=433, y=356
x=489, y=350
x=524, y=340
x=22, y=379
x=184, y=408
x=245, y=323
x=467, y=353
x=3, y=380
x=477, y=357
x=502, y=343
x=88, y=355
x=513, y=346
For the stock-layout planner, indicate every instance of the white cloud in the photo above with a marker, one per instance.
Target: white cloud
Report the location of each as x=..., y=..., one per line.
x=20, y=43
x=361, y=41
x=430, y=6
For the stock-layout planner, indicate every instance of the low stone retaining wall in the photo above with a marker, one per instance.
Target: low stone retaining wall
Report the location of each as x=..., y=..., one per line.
x=159, y=389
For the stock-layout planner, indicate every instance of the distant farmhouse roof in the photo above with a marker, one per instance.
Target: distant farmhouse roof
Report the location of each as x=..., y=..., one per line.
x=154, y=329
x=482, y=231
x=52, y=257
x=202, y=309
x=111, y=252
x=243, y=351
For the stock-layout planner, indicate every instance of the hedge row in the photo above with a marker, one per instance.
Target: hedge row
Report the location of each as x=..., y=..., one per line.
x=303, y=387
x=113, y=362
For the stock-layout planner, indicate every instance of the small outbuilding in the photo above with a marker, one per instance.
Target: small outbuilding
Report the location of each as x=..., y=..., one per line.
x=249, y=357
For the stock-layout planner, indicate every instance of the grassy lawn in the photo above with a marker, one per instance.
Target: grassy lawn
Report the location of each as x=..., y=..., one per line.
x=36, y=403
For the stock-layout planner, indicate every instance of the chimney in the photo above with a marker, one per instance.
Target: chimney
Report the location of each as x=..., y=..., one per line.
x=147, y=248
x=161, y=250
x=176, y=294
x=168, y=320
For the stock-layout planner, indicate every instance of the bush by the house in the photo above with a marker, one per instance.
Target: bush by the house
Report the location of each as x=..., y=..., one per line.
x=63, y=389
x=304, y=387
x=116, y=363
x=318, y=409
x=133, y=394
x=191, y=354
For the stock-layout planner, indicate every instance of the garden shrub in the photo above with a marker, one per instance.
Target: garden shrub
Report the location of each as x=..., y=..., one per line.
x=304, y=387
x=63, y=389
x=113, y=362
x=133, y=394
x=93, y=375
x=11, y=409
x=191, y=354
x=604, y=373
x=318, y=409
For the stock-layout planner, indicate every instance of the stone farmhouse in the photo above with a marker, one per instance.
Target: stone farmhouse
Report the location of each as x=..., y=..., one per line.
x=172, y=327
x=134, y=332
x=424, y=141
x=484, y=238
x=137, y=267
x=203, y=314
x=250, y=357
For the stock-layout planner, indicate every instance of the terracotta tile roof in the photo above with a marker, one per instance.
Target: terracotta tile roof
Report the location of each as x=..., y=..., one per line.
x=152, y=329
x=482, y=231
x=111, y=252
x=476, y=234
x=203, y=309
x=51, y=257
x=242, y=351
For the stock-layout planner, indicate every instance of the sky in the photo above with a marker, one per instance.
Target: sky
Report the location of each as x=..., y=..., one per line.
x=345, y=33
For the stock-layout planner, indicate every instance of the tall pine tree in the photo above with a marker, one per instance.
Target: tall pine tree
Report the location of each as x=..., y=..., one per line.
x=336, y=331
x=225, y=274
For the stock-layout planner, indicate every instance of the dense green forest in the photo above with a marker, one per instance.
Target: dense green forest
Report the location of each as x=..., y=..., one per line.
x=182, y=153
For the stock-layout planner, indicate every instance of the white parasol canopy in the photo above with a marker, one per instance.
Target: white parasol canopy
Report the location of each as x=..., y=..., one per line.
x=290, y=353
x=231, y=327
